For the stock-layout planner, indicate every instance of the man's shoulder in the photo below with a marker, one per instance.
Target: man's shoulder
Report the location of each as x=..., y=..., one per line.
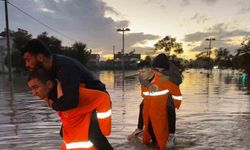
x=65, y=61
x=61, y=58
x=164, y=78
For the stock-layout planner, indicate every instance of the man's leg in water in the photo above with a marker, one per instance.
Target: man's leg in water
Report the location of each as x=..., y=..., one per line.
x=171, y=115
x=140, y=119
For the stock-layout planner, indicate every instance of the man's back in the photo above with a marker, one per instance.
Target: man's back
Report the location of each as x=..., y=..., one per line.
x=67, y=64
x=72, y=74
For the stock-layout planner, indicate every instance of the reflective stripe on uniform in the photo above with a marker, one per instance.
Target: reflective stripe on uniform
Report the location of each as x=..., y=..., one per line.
x=157, y=93
x=74, y=145
x=177, y=97
x=102, y=115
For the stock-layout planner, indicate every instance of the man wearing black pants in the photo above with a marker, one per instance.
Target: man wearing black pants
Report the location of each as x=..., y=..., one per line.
x=171, y=118
x=95, y=135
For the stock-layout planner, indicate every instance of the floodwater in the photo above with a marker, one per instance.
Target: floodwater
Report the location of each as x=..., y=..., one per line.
x=215, y=113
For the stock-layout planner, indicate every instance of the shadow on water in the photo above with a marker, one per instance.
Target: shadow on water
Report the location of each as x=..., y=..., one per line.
x=215, y=113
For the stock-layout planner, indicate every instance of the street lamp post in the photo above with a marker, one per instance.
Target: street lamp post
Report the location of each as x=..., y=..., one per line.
x=123, y=30
x=210, y=49
x=123, y=73
x=210, y=44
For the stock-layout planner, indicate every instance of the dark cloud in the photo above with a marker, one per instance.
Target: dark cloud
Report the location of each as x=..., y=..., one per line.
x=220, y=32
x=112, y=11
x=148, y=50
x=197, y=36
x=140, y=38
x=216, y=44
x=220, y=27
x=82, y=20
x=200, y=19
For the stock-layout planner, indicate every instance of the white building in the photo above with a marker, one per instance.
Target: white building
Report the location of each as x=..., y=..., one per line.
x=3, y=53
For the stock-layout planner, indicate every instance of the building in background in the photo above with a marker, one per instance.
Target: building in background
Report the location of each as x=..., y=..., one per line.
x=3, y=53
x=94, y=61
x=130, y=59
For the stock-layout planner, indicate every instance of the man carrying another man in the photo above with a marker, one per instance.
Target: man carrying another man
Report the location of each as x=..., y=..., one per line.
x=155, y=97
x=77, y=129
x=169, y=71
x=70, y=73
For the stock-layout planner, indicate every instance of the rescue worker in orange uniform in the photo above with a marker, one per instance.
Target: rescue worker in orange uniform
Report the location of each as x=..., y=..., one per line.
x=155, y=98
x=170, y=71
x=69, y=71
x=76, y=122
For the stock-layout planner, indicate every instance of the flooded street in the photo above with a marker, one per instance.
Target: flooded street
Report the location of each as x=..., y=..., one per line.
x=215, y=113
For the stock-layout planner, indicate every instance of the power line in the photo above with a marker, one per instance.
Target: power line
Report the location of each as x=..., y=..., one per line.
x=42, y=23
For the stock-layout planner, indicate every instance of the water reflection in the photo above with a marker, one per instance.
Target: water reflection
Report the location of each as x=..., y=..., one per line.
x=25, y=122
x=215, y=113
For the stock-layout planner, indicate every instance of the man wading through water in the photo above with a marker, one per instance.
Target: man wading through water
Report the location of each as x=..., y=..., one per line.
x=169, y=71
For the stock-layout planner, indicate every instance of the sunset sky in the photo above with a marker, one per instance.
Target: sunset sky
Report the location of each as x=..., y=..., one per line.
x=95, y=22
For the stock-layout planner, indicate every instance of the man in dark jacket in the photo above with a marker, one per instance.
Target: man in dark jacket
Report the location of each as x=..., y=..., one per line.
x=68, y=71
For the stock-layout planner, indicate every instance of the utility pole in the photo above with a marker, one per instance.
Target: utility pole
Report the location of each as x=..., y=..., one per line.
x=113, y=57
x=8, y=40
x=113, y=51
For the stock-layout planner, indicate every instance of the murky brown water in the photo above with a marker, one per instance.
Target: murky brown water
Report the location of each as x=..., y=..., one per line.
x=215, y=113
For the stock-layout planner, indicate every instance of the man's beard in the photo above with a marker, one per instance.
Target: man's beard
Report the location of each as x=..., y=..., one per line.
x=38, y=65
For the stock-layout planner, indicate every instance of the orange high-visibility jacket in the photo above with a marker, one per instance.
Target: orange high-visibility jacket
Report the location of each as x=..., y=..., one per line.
x=154, y=108
x=76, y=121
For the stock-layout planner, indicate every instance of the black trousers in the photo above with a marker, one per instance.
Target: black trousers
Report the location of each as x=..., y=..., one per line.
x=99, y=141
x=171, y=115
x=95, y=135
x=151, y=132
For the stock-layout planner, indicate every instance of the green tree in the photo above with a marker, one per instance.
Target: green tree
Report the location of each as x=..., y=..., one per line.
x=78, y=51
x=51, y=42
x=243, y=54
x=223, y=58
x=20, y=38
x=245, y=48
x=203, y=60
x=169, y=44
x=203, y=55
x=148, y=58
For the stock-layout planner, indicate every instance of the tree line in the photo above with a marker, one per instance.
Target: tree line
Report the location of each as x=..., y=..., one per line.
x=223, y=59
x=78, y=50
